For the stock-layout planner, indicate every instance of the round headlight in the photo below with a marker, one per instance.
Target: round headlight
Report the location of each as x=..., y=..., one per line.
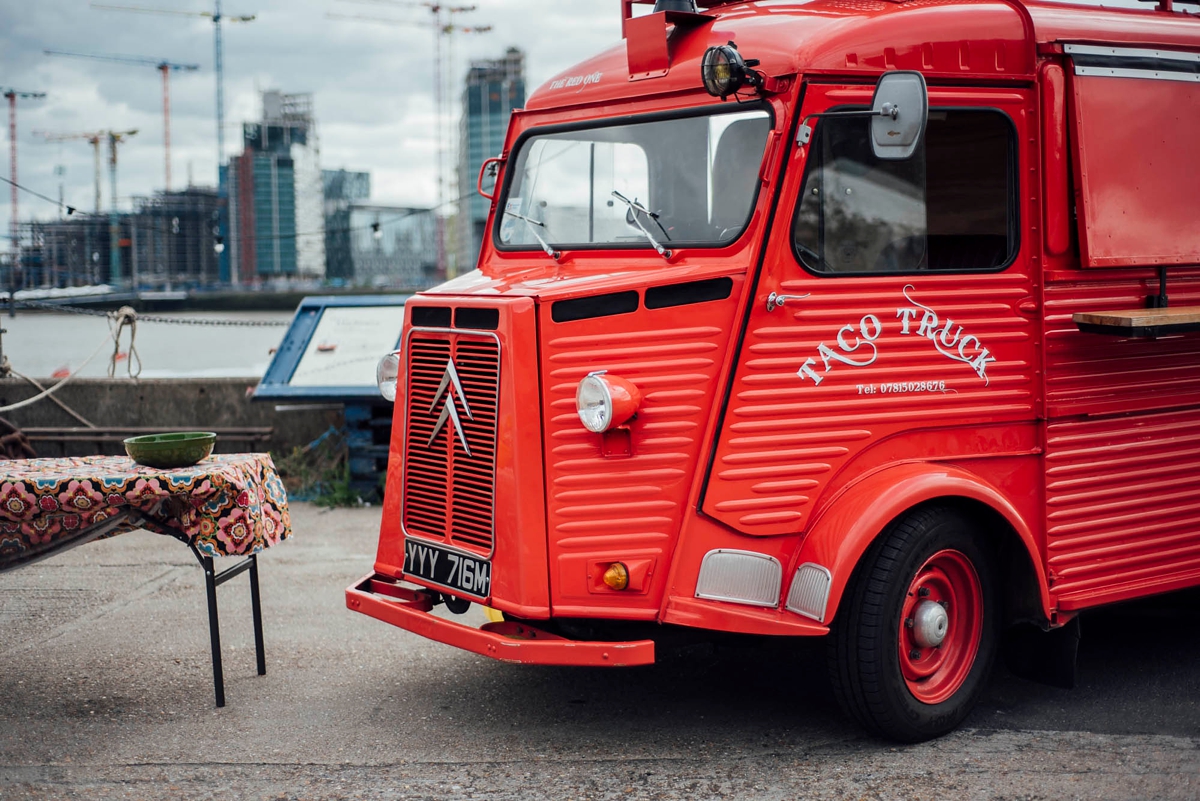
x=594, y=403
x=386, y=373
x=605, y=401
x=723, y=70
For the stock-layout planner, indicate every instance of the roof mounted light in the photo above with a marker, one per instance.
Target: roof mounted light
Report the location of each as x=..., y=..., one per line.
x=724, y=71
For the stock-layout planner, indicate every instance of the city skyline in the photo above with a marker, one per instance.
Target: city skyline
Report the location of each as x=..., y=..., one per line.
x=363, y=124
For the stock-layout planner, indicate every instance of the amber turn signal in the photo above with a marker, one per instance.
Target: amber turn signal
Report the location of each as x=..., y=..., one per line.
x=616, y=577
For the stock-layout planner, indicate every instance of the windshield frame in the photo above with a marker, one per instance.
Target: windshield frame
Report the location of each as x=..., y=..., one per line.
x=610, y=122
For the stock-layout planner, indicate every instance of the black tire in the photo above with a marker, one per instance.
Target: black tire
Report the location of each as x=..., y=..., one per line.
x=865, y=644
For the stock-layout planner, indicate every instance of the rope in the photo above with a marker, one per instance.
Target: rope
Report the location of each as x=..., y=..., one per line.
x=6, y=367
x=125, y=316
x=61, y=405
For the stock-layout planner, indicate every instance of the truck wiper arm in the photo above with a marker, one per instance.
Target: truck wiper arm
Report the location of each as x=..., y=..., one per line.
x=638, y=207
x=550, y=251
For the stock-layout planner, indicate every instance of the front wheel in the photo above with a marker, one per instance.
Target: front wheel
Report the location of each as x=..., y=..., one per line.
x=914, y=641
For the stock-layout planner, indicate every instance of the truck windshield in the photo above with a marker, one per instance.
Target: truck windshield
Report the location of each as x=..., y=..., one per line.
x=685, y=181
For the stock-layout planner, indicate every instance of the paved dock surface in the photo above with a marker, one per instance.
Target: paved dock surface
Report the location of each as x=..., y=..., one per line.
x=106, y=693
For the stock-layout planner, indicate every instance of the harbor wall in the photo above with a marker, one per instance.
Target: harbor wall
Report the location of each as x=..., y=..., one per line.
x=118, y=406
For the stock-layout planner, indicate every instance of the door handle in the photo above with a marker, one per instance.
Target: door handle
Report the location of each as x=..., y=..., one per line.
x=776, y=301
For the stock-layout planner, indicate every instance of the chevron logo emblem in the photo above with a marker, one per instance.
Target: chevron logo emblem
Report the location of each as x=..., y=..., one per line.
x=448, y=390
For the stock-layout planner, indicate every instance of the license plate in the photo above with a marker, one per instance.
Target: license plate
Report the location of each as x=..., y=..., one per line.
x=450, y=569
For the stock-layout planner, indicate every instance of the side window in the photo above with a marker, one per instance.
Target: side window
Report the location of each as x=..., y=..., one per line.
x=949, y=208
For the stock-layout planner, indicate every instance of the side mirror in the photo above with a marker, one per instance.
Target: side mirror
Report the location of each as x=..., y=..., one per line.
x=488, y=172
x=899, y=111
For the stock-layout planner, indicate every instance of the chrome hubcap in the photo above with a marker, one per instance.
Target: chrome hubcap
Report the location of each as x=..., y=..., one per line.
x=930, y=623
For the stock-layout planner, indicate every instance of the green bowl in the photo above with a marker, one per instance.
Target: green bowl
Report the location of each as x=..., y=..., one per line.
x=168, y=451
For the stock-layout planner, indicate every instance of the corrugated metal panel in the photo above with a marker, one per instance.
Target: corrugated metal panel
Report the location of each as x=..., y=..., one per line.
x=786, y=435
x=1121, y=500
x=637, y=498
x=1099, y=374
x=634, y=502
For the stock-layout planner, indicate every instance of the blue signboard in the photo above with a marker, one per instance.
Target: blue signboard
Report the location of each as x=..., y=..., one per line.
x=332, y=347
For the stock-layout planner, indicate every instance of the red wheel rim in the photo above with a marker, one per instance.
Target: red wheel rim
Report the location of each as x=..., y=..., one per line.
x=934, y=672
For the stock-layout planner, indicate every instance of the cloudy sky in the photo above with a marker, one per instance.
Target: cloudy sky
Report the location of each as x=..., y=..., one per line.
x=371, y=82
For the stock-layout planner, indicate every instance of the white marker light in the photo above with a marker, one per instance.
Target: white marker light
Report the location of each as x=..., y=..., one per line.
x=386, y=373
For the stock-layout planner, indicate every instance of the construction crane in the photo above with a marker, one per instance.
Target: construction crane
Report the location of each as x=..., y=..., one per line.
x=163, y=66
x=93, y=138
x=217, y=18
x=442, y=27
x=12, y=95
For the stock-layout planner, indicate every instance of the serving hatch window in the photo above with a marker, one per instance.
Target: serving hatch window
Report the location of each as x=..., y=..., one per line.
x=685, y=181
x=951, y=207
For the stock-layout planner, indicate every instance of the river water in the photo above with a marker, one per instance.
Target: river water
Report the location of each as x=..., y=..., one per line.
x=38, y=344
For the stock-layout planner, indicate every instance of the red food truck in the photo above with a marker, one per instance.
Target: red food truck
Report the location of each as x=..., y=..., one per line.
x=871, y=320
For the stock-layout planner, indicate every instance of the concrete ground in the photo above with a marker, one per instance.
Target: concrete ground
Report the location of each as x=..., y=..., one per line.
x=106, y=692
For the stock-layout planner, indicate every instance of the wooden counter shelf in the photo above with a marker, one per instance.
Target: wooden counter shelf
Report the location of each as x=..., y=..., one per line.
x=1140, y=322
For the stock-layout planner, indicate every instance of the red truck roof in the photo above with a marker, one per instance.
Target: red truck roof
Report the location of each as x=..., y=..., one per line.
x=945, y=39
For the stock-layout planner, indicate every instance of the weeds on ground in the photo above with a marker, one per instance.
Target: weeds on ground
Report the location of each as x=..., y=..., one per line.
x=319, y=472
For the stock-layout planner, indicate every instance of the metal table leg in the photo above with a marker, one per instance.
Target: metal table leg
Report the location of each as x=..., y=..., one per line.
x=256, y=605
x=214, y=629
x=212, y=580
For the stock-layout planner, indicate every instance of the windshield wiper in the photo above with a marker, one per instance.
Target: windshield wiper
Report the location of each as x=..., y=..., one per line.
x=551, y=252
x=636, y=207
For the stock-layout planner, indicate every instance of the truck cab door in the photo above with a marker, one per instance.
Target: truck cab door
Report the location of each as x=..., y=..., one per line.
x=895, y=315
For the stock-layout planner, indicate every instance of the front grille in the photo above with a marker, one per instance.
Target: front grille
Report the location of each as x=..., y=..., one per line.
x=449, y=495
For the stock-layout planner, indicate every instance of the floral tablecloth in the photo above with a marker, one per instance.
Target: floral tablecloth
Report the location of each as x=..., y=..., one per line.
x=227, y=505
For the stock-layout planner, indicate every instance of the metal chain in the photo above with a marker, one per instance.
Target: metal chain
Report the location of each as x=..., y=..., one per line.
x=33, y=304
x=146, y=318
